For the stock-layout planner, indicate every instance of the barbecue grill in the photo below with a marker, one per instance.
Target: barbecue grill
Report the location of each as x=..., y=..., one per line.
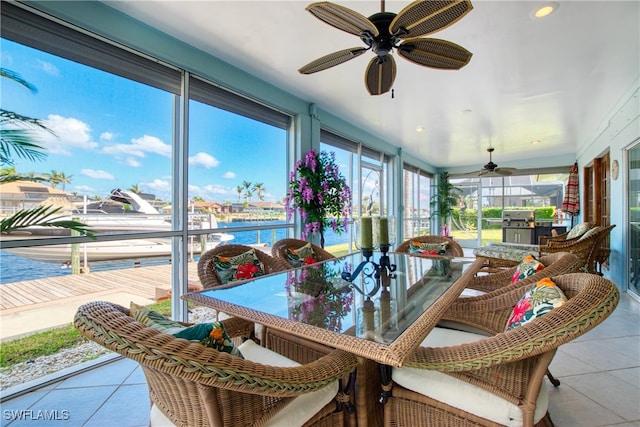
x=518, y=226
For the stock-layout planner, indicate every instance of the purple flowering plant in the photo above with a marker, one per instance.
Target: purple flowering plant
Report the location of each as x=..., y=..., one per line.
x=319, y=192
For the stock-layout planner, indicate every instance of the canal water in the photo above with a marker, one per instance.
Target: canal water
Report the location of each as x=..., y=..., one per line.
x=14, y=268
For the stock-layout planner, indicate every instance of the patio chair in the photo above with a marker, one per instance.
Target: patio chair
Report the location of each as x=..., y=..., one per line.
x=207, y=268
x=587, y=248
x=280, y=248
x=572, y=235
x=459, y=378
x=194, y=385
x=453, y=247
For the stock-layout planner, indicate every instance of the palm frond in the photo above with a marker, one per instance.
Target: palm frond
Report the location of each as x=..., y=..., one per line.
x=42, y=216
x=17, y=78
x=21, y=142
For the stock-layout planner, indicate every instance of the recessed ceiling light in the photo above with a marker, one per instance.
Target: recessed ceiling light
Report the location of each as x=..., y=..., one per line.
x=419, y=129
x=536, y=141
x=545, y=10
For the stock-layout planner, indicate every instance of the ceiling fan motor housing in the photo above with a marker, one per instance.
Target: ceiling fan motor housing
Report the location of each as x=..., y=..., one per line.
x=385, y=41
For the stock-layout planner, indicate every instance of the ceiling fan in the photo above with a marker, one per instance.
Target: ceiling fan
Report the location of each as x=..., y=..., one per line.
x=382, y=32
x=492, y=168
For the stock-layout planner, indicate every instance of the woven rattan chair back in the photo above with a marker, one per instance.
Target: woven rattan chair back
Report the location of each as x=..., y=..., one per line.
x=543, y=240
x=555, y=264
x=510, y=364
x=453, y=247
x=587, y=248
x=279, y=250
x=206, y=265
x=472, y=311
x=194, y=385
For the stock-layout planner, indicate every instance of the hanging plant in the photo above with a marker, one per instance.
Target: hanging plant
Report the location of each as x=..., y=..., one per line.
x=319, y=193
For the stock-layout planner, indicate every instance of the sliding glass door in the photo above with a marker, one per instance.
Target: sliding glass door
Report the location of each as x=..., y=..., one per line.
x=633, y=237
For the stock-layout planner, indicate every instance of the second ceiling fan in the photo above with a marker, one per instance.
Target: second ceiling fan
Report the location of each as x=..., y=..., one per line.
x=491, y=169
x=385, y=31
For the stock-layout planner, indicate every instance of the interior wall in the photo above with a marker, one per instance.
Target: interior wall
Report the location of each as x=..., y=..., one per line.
x=617, y=131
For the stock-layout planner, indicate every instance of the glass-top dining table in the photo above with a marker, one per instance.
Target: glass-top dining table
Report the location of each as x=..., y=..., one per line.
x=379, y=307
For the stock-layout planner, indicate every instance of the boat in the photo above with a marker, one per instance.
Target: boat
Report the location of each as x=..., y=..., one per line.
x=122, y=211
x=113, y=250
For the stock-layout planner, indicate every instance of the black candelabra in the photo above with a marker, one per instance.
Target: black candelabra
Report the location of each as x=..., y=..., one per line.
x=374, y=273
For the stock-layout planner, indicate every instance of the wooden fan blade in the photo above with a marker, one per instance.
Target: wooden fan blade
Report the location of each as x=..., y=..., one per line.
x=380, y=74
x=332, y=60
x=504, y=171
x=425, y=17
x=435, y=53
x=342, y=18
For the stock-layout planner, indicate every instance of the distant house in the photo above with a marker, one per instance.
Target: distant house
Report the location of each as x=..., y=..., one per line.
x=208, y=207
x=23, y=195
x=258, y=208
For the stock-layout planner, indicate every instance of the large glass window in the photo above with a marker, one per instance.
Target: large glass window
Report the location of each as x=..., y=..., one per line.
x=477, y=220
x=417, y=202
x=237, y=167
x=112, y=159
x=367, y=173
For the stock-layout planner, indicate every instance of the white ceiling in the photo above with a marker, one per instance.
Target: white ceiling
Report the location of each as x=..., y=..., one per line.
x=552, y=80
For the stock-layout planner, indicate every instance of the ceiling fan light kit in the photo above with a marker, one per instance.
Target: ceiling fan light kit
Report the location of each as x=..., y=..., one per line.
x=385, y=31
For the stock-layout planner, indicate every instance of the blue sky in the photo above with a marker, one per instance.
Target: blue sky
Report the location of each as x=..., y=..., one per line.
x=112, y=132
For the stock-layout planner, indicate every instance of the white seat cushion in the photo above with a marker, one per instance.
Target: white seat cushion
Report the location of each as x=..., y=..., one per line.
x=461, y=394
x=295, y=414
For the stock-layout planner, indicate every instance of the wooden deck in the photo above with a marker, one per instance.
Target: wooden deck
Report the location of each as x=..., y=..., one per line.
x=141, y=281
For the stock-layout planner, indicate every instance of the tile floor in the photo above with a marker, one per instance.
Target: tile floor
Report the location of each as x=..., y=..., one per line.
x=599, y=372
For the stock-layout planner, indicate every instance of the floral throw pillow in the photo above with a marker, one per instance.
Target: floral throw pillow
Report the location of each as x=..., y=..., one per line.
x=543, y=297
x=416, y=247
x=301, y=256
x=239, y=267
x=527, y=267
x=208, y=334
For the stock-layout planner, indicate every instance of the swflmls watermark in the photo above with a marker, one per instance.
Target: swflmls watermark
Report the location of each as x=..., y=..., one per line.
x=35, y=415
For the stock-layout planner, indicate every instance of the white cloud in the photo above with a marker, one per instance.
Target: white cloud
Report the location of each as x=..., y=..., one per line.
x=215, y=189
x=139, y=147
x=97, y=174
x=134, y=163
x=107, y=136
x=229, y=175
x=69, y=132
x=48, y=68
x=159, y=186
x=204, y=159
x=84, y=189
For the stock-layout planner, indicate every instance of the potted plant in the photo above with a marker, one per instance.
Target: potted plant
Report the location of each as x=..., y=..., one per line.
x=444, y=200
x=320, y=194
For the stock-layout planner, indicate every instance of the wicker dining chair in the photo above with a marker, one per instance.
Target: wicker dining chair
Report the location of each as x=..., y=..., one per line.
x=207, y=269
x=453, y=247
x=500, y=281
x=193, y=385
x=279, y=250
x=458, y=378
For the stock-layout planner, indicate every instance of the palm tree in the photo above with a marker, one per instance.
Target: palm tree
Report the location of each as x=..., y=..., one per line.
x=135, y=189
x=247, y=191
x=17, y=138
x=239, y=189
x=56, y=178
x=259, y=189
